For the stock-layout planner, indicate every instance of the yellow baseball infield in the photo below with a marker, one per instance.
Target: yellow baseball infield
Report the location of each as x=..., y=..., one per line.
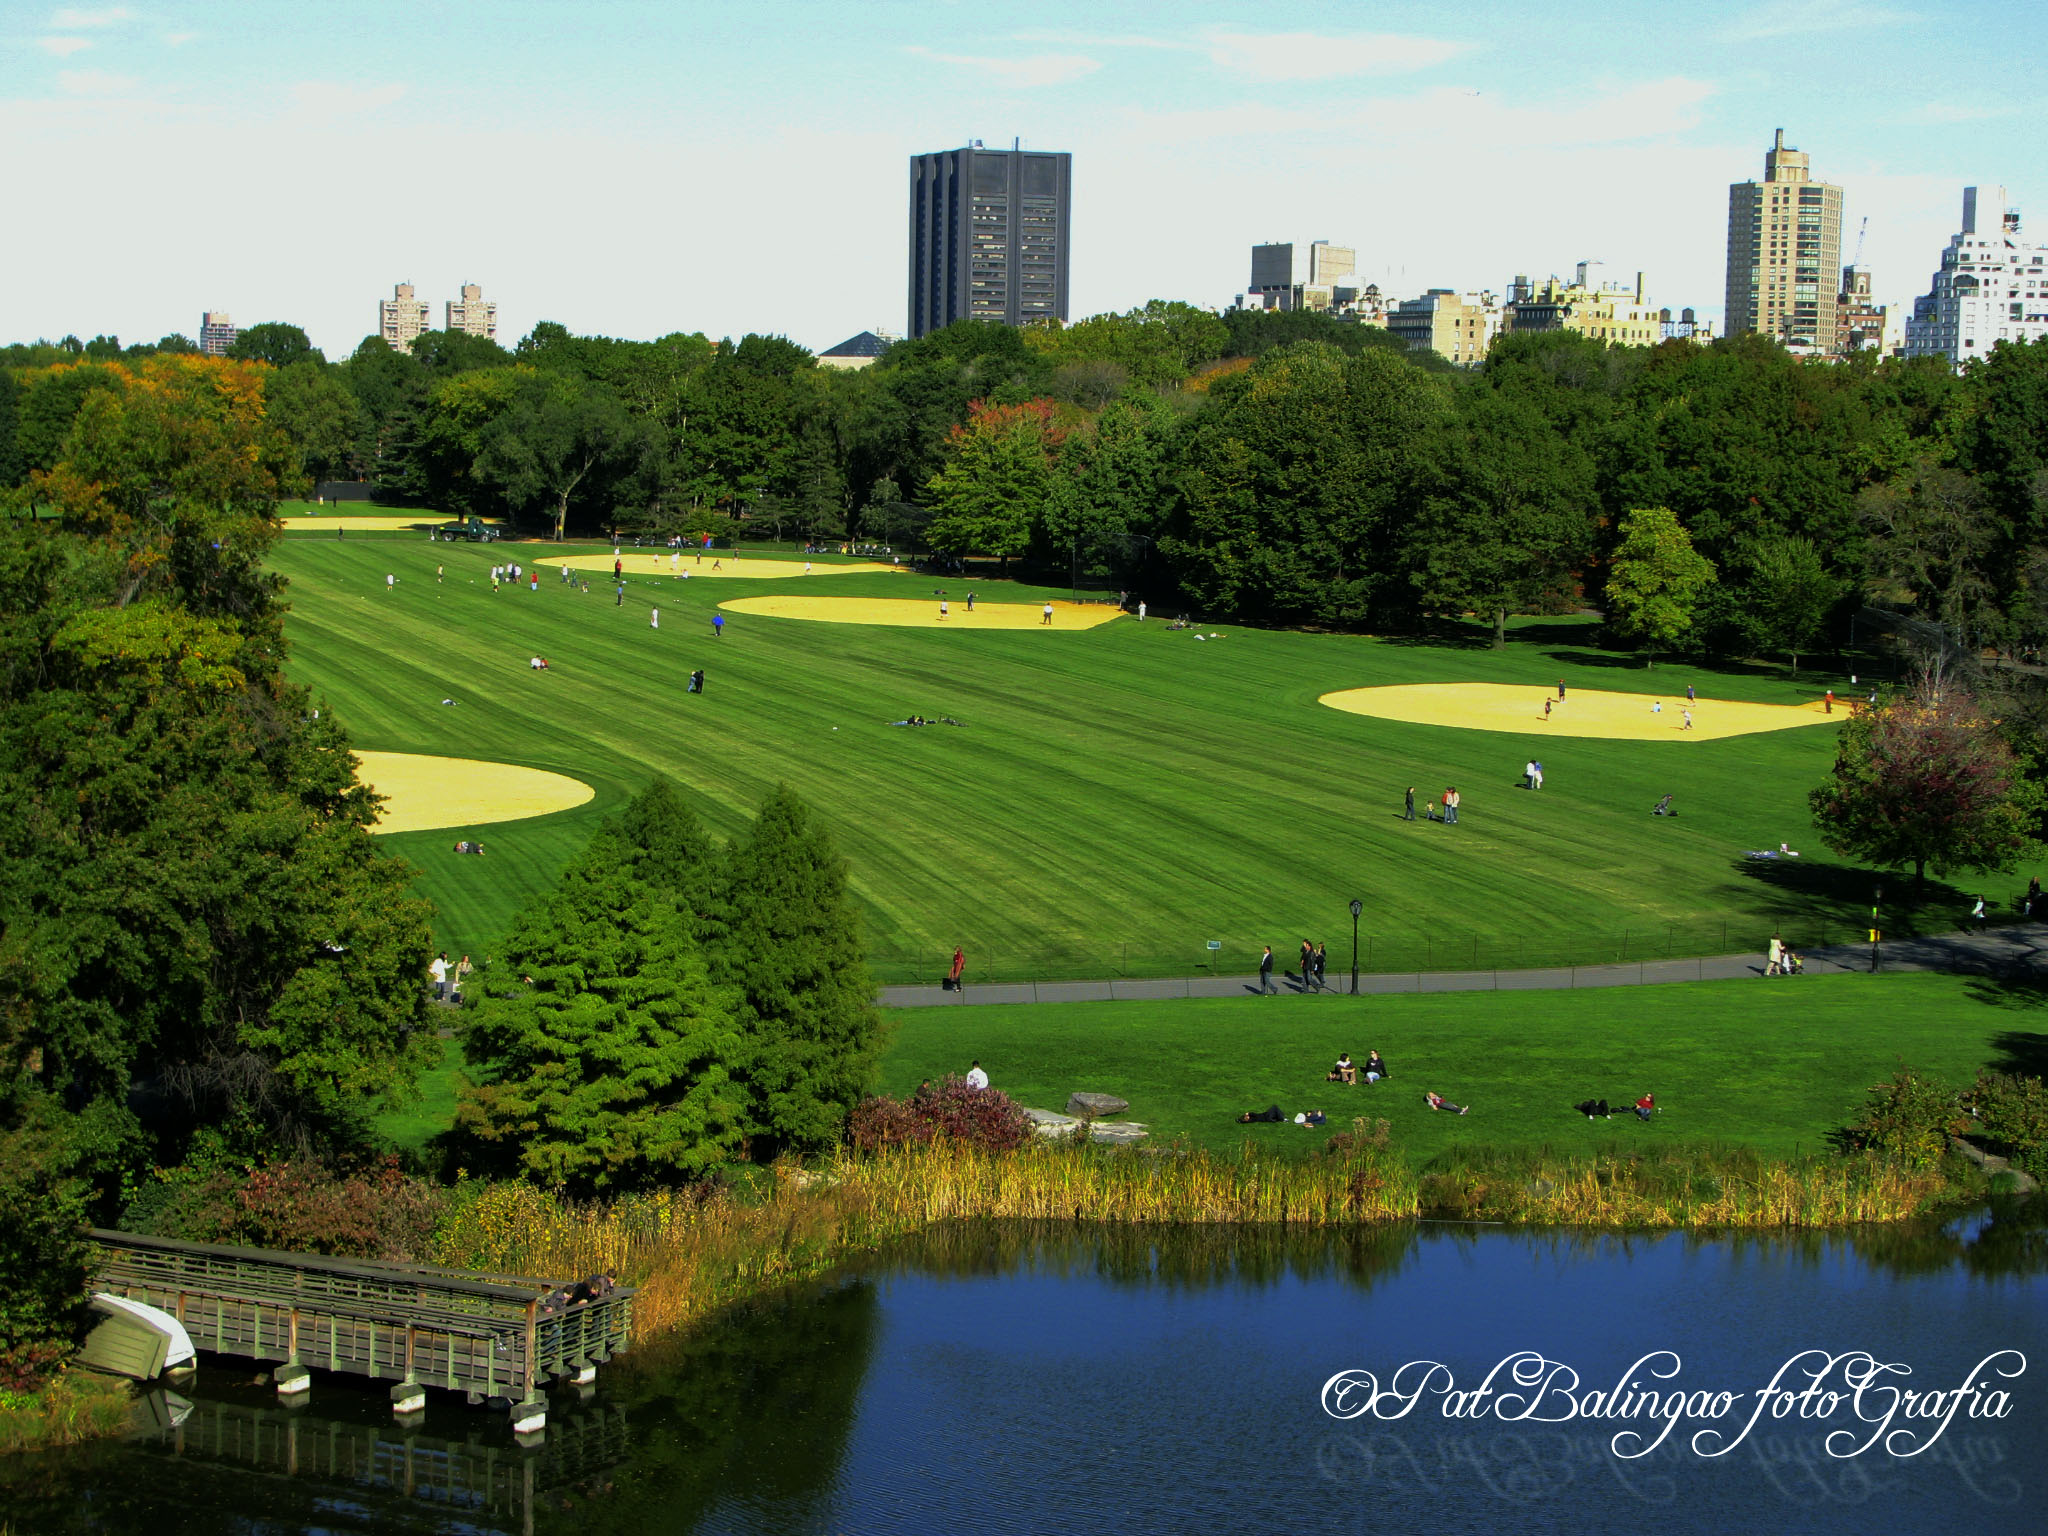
x=422, y=793
x=1582, y=712
x=647, y=562
x=923, y=613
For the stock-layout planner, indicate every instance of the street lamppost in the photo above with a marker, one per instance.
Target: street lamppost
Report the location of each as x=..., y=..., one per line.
x=1356, y=908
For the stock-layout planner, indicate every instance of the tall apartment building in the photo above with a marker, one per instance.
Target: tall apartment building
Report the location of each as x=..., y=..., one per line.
x=1784, y=250
x=401, y=318
x=1290, y=276
x=1611, y=312
x=473, y=313
x=1992, y=287
x=1460, y=327
x=216, y=332
x=989, y=236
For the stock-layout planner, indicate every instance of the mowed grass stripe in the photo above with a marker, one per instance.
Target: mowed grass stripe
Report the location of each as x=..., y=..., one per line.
x=1125, y=786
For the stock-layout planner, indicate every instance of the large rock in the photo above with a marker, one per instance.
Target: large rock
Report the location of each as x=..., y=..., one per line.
x=1117, y=1133
x=1092, y=1106
x=1046, y=1122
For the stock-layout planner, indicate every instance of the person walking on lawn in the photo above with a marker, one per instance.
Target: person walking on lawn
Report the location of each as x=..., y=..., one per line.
x=1408, y=813
x=1308, y=963
x=1266, y=971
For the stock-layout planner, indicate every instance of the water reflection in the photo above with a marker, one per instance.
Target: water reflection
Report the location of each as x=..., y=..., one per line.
x=1010, y=1376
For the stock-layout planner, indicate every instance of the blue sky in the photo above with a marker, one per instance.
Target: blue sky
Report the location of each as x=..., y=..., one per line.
x=639, y=168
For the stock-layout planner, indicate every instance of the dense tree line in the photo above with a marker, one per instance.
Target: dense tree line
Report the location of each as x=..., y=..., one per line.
x=1283, y=468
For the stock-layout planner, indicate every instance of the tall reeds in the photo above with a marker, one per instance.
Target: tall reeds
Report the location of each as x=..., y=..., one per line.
x=690, y=1254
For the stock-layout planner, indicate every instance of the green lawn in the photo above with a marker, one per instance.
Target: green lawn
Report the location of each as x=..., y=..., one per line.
x=1118, y=798
x=1772, y=1065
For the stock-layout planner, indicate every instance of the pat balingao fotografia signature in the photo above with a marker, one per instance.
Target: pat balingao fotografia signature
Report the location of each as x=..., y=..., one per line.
x=1873, y=1401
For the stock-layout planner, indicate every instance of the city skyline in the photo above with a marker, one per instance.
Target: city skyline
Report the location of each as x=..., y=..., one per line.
x=1451, y=153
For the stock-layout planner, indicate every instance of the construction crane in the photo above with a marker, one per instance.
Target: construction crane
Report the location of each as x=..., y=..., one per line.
x=1862, y=230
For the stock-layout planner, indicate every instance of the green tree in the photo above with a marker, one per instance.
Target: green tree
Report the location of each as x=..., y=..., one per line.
x=1507, y=517
x=190, y=898
x=275, y=343
x=788, y=942
x=1933, y=548
x=998, y=473
x=1789, y=593
x=1927, y=780
x=558, y=439
x=1655, y=580
x=1290, y=490
x=608, y=1070
x=311, y=405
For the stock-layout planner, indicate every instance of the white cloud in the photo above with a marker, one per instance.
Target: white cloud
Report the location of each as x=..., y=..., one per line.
x=1793, y=17
x=335, y=98
x=63, y=47
x=105, y=16
x=1270, y=56
x=94, y=82
x=179, y=39
x=1034, y=70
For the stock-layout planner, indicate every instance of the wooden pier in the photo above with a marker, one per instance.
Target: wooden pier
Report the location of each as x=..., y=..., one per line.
x=495, y=1338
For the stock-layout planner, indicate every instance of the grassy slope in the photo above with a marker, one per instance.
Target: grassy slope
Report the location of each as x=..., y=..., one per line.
x=1765, y=1064
x=1118, y=798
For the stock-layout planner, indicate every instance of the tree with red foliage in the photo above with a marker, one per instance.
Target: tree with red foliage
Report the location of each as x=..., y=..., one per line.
x=1926, y=780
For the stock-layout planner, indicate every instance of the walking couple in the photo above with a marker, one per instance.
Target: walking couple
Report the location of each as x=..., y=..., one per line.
x=1312, y=961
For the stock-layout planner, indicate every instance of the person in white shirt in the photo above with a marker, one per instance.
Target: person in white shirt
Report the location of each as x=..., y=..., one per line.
x=438, y=969
x=976, y=1078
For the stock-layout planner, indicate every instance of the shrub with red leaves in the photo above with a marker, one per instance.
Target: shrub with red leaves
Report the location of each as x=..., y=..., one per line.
x=976, y=1117
x=378, y=1212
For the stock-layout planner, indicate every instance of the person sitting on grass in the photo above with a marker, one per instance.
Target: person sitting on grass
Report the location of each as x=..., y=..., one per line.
x=1270, y=1115
x=1663, y=808
x=1595, y=1109
x=1375, y=1066
x=1646, y=1106
x=538, y=664
x=1438, y=1101
x=1343, y=1072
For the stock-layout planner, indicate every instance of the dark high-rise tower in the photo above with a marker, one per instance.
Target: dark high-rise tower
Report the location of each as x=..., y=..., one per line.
x=988, y=236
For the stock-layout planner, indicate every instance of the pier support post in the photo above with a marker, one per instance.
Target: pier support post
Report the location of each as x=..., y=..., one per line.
x=293, y=1380
x=408, y=1397
x=530, y=1415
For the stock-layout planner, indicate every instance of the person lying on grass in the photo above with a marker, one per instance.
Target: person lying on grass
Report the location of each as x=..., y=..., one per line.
x=1438, y=1101
x=1311, y=1117
x=1270, y=1115
x=1595, y=1108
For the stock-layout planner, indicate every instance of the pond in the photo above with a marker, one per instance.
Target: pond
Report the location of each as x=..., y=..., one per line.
x=1016, y=1378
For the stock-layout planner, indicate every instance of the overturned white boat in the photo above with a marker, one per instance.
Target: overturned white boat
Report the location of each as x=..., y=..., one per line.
x=134, y=1339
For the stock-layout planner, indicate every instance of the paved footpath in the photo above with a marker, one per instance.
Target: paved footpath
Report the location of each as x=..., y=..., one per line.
x=2017, y=951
